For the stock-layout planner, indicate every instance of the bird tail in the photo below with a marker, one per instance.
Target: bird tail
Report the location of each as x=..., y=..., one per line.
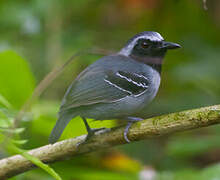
x=63, y=120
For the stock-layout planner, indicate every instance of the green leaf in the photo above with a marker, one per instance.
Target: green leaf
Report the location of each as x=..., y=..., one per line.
x=5, y=102
x=5, y=120
x=17, y=81
x=211, y=172
x=19, y=142
x=14, y=131
x=35, y=161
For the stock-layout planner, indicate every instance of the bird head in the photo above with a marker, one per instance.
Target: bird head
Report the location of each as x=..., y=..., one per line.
x=148, y=47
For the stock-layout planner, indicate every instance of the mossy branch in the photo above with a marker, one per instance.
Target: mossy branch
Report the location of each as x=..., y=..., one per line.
x=156, y=126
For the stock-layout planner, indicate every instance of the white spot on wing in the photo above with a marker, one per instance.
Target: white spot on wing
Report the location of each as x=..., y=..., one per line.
x=109, y=82
x=132, y=81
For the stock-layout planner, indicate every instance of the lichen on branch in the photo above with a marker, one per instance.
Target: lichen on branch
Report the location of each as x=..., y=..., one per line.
x=152, y=127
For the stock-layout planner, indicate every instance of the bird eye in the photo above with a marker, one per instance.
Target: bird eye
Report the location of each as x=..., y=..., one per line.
x=144, y=45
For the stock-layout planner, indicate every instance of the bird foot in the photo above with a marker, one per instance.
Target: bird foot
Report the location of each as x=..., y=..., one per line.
x=91, y=132
x=130, y=120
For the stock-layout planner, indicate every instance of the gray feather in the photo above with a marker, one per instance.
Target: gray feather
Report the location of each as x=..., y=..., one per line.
x=61, y=123
x=94, y=84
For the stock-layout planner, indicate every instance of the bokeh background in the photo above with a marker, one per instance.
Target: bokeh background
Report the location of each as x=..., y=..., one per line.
x=37, y=36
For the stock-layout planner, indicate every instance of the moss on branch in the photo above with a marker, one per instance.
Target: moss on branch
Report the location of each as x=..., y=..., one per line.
x=152, y=127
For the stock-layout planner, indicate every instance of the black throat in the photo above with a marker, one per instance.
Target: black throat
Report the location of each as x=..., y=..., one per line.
x=154, y=62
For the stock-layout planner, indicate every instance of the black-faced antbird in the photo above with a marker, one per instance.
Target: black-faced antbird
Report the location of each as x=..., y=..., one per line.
x=118, y=86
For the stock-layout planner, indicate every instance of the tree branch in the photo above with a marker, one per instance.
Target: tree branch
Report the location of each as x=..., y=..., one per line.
x=156, y=126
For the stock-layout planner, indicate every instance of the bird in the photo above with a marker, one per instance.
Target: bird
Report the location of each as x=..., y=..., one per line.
x=118, y=86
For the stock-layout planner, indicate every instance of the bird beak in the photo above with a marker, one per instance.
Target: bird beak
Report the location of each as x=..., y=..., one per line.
x=170, y=45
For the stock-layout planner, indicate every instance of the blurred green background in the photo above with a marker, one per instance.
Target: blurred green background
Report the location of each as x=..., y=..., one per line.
x=37, y=36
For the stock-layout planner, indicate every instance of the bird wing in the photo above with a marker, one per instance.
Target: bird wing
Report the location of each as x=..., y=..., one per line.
x=96, y=85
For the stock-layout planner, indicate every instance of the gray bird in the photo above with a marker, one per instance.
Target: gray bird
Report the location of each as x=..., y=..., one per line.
x=118, y=86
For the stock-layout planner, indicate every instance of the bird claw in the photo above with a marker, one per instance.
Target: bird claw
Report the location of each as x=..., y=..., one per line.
x=126, y=132
x=126, y=137
x=131, y=120
x=91, y=132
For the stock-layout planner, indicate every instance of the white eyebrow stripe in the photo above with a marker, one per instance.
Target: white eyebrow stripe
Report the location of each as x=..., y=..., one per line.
x=154, y=36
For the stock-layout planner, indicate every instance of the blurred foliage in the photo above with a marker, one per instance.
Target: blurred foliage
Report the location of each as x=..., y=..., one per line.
x=46, y=33
x=11, y=63
x=17, y=81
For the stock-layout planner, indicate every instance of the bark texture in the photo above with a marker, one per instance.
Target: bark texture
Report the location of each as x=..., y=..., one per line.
x=152, y=127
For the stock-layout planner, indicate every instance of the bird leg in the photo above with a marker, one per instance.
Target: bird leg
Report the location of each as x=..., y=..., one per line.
x=130, y=120
x=91, y=131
